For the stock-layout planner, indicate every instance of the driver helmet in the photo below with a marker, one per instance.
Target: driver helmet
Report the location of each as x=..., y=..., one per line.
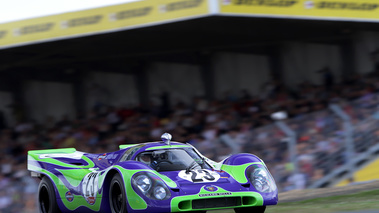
x=145, y=158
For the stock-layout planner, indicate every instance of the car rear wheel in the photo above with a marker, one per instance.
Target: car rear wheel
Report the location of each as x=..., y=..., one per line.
x=46, y=197
x=254, y=209
x=117, y=196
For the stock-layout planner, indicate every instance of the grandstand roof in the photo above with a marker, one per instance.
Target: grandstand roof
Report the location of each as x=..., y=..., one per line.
x=171, y=30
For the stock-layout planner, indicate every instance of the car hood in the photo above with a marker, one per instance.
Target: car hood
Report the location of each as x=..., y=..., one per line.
x=191, y=182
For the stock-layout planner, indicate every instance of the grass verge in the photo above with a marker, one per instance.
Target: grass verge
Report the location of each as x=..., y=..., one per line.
x=367, y=200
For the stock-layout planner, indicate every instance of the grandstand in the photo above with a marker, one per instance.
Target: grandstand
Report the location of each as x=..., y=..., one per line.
x=209, y=72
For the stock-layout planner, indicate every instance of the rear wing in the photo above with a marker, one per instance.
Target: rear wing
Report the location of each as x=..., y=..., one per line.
x=46, y=152
x=45, y=161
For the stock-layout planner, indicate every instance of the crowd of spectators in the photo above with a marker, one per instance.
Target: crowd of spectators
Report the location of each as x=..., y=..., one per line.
x=241, y=119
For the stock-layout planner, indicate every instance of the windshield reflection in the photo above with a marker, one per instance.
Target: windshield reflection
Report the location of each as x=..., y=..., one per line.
x=172, y=160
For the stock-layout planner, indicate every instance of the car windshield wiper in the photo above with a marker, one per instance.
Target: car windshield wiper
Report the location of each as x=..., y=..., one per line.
x=202, y=162
x=191, y=166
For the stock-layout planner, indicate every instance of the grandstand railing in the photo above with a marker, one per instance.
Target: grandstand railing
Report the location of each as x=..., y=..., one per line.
x=323, y=141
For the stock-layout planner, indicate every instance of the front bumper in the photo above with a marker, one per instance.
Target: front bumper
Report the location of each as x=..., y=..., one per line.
x=200, y=202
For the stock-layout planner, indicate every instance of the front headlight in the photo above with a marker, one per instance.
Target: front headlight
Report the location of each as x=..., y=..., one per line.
x=151, y=186
x=261, y=178
x=142, y=182
x=159, y=193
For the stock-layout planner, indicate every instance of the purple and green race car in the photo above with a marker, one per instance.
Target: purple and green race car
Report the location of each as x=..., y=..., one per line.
x=150, y=177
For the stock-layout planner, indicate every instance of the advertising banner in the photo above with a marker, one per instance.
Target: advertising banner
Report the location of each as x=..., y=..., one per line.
x=352, y=10
x=105, y=19
x=153, y=12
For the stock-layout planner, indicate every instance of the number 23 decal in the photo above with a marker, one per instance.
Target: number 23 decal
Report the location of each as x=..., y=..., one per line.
x=200, y=175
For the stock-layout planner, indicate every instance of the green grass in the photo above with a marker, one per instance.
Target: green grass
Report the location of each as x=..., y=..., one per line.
x=367, y=200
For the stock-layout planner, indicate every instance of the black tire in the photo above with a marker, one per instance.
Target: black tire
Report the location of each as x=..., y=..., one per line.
x=47, y=201
x=254, y=209
x=117, y=196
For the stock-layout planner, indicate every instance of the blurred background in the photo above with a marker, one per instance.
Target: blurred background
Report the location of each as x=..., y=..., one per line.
x=294, y=82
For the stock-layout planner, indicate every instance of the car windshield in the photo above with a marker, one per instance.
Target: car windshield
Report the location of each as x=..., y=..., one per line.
x=172, y=160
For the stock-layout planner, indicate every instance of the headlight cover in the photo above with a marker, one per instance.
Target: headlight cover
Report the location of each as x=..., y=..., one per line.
x=159, y=193
x=151, y=186
x=142, y=182
x=261, y=178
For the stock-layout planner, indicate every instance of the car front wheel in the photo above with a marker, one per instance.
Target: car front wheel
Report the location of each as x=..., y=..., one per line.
x=46, y=197
x=254, y=209
x=117, y=196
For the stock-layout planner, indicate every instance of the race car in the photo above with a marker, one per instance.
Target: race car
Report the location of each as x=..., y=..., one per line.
x=161, y=176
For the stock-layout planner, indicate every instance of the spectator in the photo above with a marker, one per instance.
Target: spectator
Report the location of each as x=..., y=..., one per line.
x=241, y=121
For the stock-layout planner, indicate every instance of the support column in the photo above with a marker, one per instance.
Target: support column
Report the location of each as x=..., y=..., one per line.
x=348, y=58
x=207, y=74
x=18, y=106
x=79, y=92
x=142, y=82
x=292, y=149
x=349, y=140
x=275, y=62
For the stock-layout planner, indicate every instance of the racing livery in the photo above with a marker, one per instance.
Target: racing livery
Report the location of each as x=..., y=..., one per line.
x=150, y=177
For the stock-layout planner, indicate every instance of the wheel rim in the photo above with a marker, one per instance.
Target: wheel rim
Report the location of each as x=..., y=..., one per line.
x=117, y=197
x=44, y=200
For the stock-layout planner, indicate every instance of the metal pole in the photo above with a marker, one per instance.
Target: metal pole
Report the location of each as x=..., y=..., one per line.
x=349, y=142
x=291, y=143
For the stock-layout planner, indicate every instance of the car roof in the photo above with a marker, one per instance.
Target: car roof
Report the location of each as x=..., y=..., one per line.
x=156, y=145
x=151, y=146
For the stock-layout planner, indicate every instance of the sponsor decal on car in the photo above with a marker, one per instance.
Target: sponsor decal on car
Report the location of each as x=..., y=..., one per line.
x=107, y=157
x=211, y=188
x=90, y=187
x=101, y=157
x=69, y=196
x=215, y=194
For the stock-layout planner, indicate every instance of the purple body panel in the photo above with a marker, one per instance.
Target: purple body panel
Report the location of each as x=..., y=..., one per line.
x=241, y=159
x=184, y=187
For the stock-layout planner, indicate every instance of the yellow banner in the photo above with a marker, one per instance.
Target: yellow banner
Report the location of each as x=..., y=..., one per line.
x=359, y=10
x=118, y=17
